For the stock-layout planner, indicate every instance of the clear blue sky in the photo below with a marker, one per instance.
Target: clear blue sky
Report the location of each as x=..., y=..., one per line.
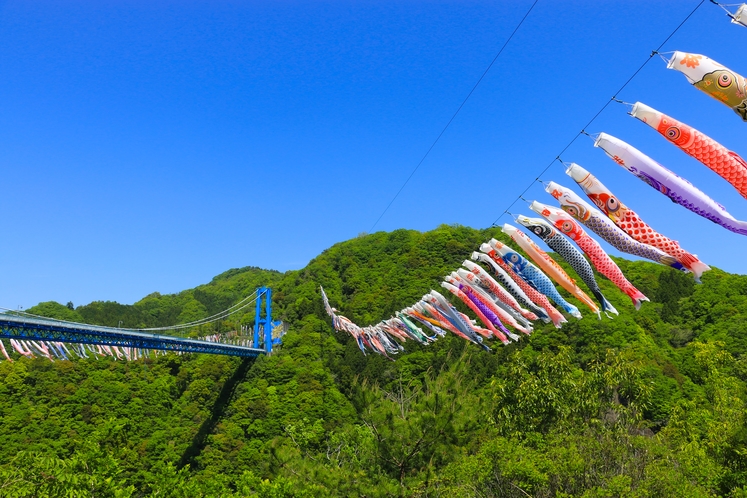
x=148, y=146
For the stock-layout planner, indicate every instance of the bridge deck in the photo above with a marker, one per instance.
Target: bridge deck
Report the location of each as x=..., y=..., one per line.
x=22, y=327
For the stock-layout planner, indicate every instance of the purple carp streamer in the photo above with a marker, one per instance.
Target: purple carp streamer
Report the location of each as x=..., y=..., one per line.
x=549, y=266
x=488, y=318
x=666, y=182
x=600, y=224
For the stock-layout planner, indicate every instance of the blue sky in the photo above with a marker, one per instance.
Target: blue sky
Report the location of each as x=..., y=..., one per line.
x=148, y=146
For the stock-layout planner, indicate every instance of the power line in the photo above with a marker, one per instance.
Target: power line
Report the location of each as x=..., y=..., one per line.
x=452, y=117
x=612, y=99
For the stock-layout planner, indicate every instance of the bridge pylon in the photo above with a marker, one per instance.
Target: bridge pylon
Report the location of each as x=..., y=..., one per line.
x=263, y=323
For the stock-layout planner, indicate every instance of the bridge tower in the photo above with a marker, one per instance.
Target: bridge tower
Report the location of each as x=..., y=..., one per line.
x=263, y=323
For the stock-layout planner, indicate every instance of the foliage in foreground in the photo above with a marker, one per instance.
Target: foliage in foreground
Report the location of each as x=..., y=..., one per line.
x=651, y=403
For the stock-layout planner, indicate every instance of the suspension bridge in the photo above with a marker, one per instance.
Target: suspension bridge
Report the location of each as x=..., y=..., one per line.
x=21, y=326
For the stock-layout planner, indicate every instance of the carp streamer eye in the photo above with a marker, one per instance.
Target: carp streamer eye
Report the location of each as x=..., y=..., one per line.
x=514, y=258
x=567, y=226
x=673, y=133
x=724, y=81
x=612, y=204
x=572, y=211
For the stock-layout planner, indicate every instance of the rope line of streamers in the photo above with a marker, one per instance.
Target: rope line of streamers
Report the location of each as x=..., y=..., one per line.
x=509, y=294
x=599, y=112
x=506, y=291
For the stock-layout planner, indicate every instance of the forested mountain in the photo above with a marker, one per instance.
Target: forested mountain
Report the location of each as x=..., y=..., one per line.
x=650, y=403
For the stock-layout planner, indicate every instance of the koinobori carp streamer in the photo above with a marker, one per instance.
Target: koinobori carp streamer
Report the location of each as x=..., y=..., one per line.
x=714, y=79
x=533, y=276
x=510, y=284
x=486, y=281
x=601, y=225
x=536, y=296
x=630, y=222
x=549, y=266
x=561, y=245
x=668, y=183
x=727, y=164
x=502, y=310
x=600, y=259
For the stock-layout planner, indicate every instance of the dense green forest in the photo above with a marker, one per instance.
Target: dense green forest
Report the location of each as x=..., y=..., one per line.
x=650, y=403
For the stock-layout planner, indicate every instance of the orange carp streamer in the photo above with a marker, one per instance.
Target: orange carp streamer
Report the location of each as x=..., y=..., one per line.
x=725, y=163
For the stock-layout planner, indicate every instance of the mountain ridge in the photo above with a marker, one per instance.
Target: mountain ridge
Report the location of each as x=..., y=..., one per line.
x=649, y=403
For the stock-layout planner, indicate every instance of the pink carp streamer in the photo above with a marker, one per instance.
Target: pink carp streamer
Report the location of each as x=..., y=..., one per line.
x=629, y=221
x=604, y=265
x=600, y=224
x=725, y=163
x=487, y=304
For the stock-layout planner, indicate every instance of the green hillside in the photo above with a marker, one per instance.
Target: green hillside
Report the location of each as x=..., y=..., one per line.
x=650, y=403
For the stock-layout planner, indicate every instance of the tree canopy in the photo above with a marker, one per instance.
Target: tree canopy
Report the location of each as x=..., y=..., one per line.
x=650, y=403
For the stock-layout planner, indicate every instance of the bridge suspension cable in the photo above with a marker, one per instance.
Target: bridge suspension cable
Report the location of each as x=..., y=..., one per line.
x=32, y=334
x=203, y=321
x=218, y=316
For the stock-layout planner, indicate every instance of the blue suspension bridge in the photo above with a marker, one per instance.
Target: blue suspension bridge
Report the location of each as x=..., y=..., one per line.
x=23, y=326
